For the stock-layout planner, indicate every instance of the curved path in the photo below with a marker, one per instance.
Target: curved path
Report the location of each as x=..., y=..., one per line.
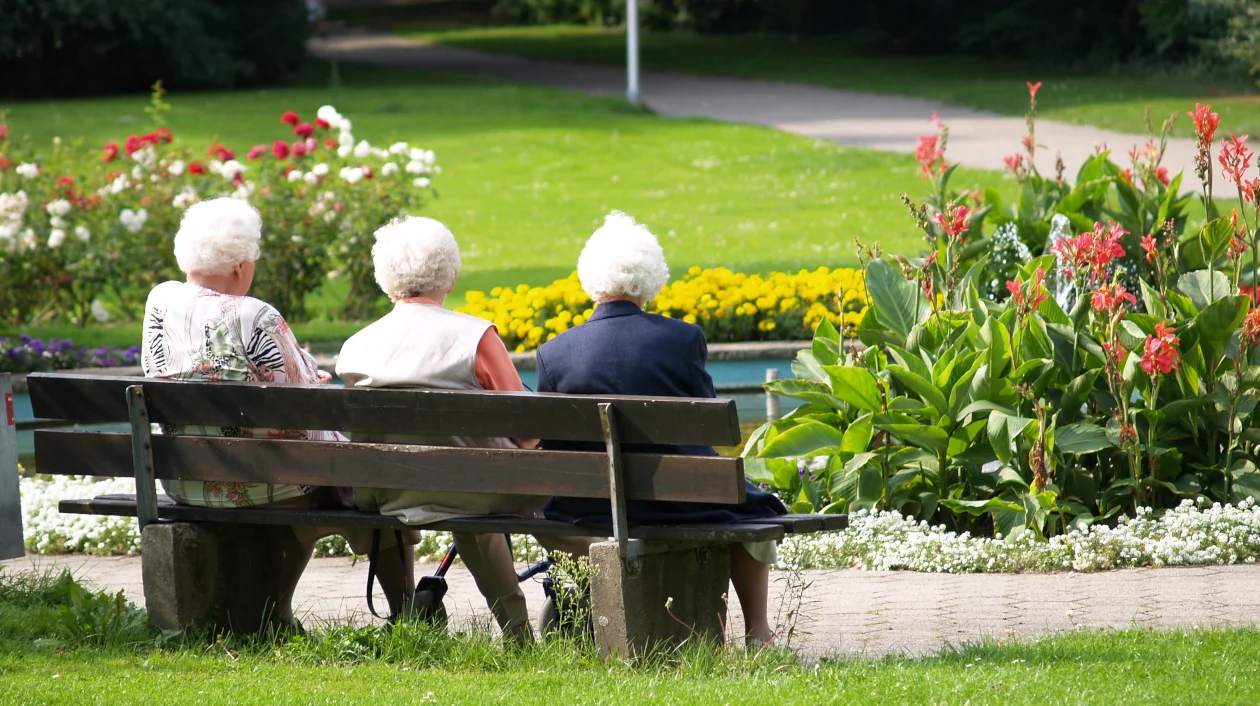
x=891, y=123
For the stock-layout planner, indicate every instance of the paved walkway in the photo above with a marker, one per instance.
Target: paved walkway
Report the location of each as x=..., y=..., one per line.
x=891, y=123
x=850, y=613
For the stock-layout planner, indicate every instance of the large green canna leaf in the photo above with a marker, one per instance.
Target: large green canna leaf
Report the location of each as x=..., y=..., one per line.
x=857, y=386
x=1204, y=287
x=1003, y=430
x=1081, y=438
x=828, y=345
x=812, y=392
x=921, y=387
x=805, y=439
x=896, y=302
x=807, y=367
x=908, y=430
x=857, y=438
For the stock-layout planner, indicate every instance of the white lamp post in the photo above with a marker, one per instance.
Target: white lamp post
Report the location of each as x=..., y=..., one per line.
x=632, y=51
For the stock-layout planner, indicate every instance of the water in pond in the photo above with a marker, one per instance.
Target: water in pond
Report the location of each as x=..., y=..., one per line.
x=751, y=405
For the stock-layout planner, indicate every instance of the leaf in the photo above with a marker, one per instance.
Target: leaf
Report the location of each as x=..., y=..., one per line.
x=1003, y=429
x=1216, y=236
x=1219, y=320
x=999, y=342
x=857, y=386
x=897, y=303
x=827, y=344
x=807, y=367
x=813, y=392
x=870, y=489
x=1151, y=301
x=857, y=438
x=910, y=361
x=1204, y=287
x=980, y=507
x=920, y=387
x=1081, y=438
x=806, y=439
x=928, y=437
x=984, y=406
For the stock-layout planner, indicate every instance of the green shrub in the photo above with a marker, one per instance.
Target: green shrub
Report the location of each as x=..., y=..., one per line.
x=78, y=47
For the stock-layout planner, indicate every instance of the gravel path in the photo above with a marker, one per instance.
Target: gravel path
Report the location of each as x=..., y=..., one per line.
x=891, y=123
x=848, y=613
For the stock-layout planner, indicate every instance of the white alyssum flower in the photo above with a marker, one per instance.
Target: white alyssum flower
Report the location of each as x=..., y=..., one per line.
x=420, y=182
x=27, y=170
x=47, y=531
x=399, y=148
x=133, y=221
x=82, y=233
x=295, y=175
x=56, y=237
x=176, y=168
x=363, y=149
x=389, y=168
x=58, y=207
x=352, y=175
x=320, y=169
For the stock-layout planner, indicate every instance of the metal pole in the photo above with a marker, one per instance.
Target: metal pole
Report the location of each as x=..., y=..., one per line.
x=11, y=544
x=772, y=400
x=632, y=51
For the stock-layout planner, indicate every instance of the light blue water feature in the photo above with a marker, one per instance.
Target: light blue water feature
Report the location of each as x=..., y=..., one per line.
x=751, y=406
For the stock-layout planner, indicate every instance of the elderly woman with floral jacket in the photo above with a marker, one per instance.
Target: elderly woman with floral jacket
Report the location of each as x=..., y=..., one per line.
x=207, y=328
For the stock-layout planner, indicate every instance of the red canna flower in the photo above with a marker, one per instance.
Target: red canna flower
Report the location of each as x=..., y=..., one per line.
x=1014, y=162
x=1250, y=190
x=196, y=168
x=1116, y=351
x=1249, y=336
x=1237, y=246
x=1161, y=352
x=1162, y=174
x=1017, y=294
x=1127, y=175
x=953, y=221
x=220, y=153
x=110, y=152
x=1235, y=158
x=1028, y=297
x=1205, y=124
x=255, y=152
x=303, y=130
x=929, y=156
x=1151, y=248
x=280, y=149
x=1252, y=293
x=1033, y=88
x=1089, y=254
x=290, y=118
x=1128, y=435
x=322, y=124
x=1112, y=298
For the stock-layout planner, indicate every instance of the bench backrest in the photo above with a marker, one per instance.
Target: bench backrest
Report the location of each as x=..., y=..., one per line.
x=92, y=399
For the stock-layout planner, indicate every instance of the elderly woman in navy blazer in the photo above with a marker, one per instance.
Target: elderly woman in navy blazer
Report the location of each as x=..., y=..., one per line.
x=622, y=350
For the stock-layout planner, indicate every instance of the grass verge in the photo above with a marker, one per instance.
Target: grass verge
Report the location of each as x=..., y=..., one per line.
x=1114, y=101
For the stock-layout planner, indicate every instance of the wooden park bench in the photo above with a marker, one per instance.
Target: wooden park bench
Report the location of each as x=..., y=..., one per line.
x=202, y=564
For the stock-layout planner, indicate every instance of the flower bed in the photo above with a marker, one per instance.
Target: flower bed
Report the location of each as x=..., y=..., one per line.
x=728, y=306
x=27, y=355
x=85, y=232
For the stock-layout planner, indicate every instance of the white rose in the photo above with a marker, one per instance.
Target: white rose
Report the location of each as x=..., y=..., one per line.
x=28, y=170
x=352, y=175
x=118, y=184
x=133, y=220
x=57, y=222
x=346, y=125
x=295, y=175
x=137, y=173
x=389, y=168
x=60, y=207
x=176, y=168
x=82, y=233
x=363, y=149
x=56, y=238
x=416, y=167
x=330, y=216
x=417, y=154
x=311, y=178
x=27, y=238
x=185, y=198
x=399, y=148
x=232, y=169
x=429, y=157
x=320, y=169
x=380, y=153
x=296, y=238
x=420, y=182
x=344, y=151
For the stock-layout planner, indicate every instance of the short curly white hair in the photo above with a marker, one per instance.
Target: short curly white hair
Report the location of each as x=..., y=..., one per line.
x=414, y=256
x=217, y=235
x=622, y=259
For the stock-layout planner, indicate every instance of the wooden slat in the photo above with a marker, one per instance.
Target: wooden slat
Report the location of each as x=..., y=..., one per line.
x=525, y=415
x=581, y=474
x=117, y=506
x=806, y=524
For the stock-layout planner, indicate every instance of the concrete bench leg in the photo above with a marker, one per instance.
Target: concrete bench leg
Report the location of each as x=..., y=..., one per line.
x=227, y=576
x=628, y=601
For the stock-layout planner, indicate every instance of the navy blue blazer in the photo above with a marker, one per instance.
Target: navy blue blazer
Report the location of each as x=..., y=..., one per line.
x=621, y=350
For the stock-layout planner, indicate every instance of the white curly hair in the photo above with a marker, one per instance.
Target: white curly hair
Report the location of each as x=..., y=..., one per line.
x=217, y=235
x=622, y=259
x=414, y=256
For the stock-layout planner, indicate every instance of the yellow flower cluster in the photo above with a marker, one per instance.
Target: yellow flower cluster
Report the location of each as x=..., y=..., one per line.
x=728, y=306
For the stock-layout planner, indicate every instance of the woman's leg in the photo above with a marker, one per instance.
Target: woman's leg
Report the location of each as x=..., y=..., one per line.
x=490, y=562
x=752, y=584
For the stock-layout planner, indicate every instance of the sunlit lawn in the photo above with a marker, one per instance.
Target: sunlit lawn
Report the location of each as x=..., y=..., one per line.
x=1109, y=100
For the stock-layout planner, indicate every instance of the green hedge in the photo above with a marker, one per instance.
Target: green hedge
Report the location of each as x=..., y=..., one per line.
x=80, y=47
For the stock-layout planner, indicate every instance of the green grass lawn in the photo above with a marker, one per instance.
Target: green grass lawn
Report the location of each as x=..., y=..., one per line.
x=529, y=172
x=1113, y=101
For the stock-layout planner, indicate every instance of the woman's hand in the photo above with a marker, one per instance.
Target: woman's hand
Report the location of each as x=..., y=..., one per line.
x=323, y=377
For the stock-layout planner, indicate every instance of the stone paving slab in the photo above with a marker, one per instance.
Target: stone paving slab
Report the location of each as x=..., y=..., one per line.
x=883, y=122
x=845, y=612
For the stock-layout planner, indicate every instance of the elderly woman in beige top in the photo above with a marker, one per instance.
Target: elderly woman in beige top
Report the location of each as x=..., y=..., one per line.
x=422, y=345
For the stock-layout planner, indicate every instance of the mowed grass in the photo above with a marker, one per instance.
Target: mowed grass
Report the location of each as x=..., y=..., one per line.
x=1202, y=667
x=529, y=172
x=1114, y=101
